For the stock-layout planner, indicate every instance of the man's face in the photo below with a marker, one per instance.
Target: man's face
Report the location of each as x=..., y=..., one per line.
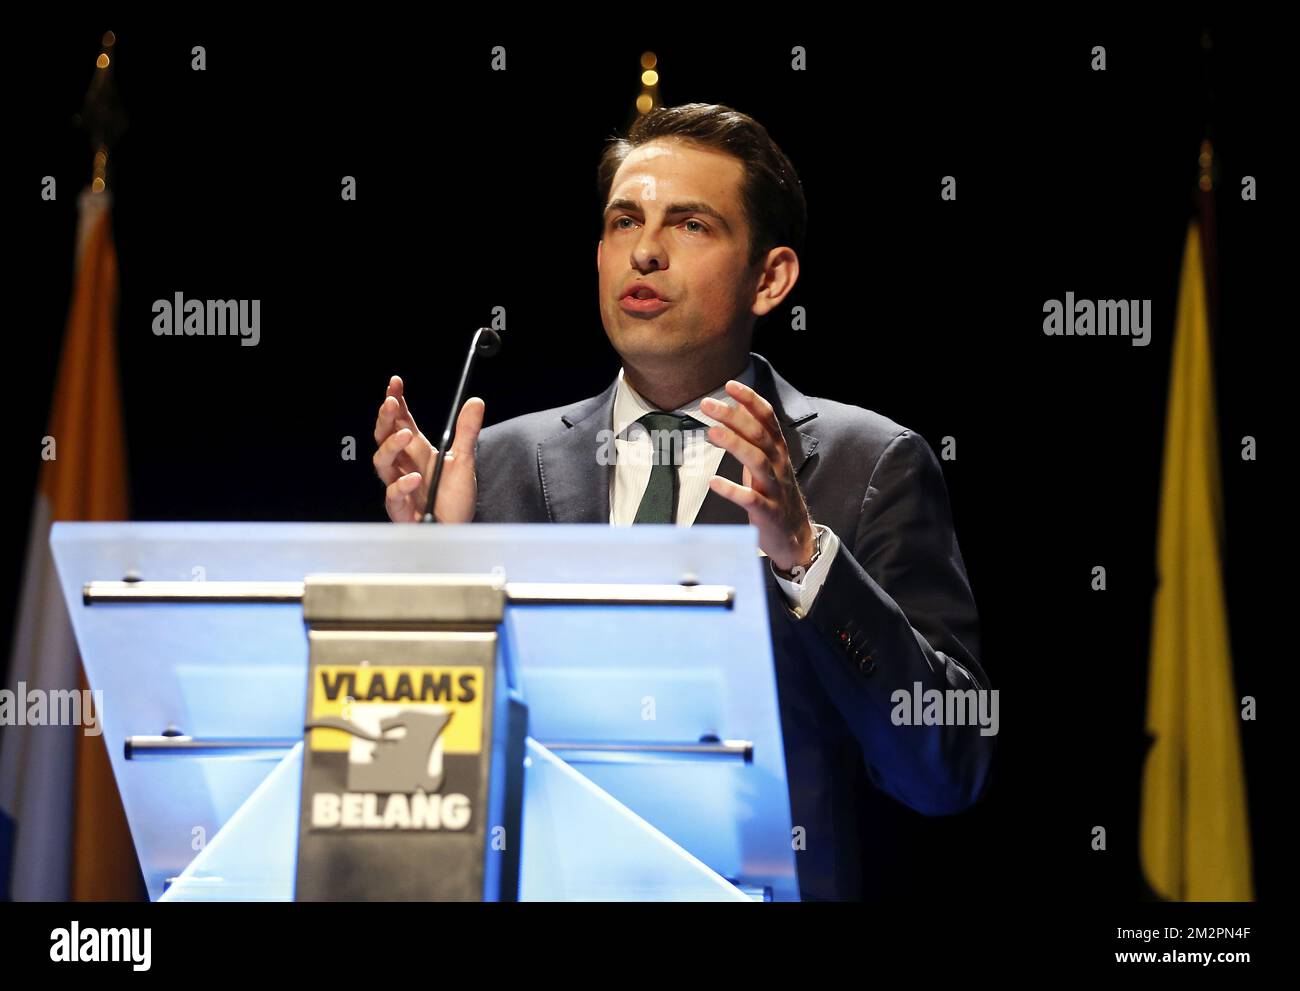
x=674, y=225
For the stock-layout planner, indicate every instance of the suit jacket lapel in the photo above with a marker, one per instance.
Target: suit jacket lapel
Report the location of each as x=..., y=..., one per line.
x=792, y=409
x=716, y=509
x=575, y=484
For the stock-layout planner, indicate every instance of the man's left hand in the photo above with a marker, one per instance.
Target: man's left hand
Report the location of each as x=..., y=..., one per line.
x=769, y=493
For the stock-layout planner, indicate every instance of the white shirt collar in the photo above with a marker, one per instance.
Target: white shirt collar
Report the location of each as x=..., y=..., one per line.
x=630, y=405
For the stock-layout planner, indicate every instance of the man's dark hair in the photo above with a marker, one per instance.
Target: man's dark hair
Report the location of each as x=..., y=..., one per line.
x=770, y=192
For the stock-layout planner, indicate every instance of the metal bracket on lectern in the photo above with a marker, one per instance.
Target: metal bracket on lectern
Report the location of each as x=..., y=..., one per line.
x=516, y=593
x=572, y=752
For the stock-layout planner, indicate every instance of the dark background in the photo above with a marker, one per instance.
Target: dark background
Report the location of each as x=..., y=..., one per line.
x=477, y=189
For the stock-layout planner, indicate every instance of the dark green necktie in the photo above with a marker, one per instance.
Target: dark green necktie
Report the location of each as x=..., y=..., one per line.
x=659, y=504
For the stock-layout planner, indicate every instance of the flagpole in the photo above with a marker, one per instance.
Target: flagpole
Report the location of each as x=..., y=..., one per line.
x=103, y=858
x=1205, y=185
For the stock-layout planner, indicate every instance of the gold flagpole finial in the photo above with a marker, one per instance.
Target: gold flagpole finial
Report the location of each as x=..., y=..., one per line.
x=101, y=115
x=649, y=98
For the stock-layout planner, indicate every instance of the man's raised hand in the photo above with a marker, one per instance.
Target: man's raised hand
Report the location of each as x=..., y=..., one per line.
x=404, y=457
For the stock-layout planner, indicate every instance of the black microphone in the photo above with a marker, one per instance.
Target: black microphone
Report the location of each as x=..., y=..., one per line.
x=487, y=342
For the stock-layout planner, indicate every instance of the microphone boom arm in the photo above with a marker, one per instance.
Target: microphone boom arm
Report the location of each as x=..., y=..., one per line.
x=487, y=342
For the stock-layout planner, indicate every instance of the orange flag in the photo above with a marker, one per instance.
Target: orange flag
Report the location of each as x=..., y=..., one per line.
x=69, y=836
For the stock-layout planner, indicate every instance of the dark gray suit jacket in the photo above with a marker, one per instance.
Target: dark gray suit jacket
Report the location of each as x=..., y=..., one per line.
x=895, y=609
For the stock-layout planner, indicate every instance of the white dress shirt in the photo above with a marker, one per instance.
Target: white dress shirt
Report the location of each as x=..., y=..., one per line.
x=634, y=454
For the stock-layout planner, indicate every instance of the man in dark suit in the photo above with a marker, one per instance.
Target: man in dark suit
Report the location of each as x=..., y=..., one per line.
x=868, y=597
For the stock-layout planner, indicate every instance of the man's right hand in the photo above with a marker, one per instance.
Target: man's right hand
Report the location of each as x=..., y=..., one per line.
x=404, y=461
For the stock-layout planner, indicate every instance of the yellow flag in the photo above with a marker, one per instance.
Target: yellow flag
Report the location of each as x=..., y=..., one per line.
x=1195, y=835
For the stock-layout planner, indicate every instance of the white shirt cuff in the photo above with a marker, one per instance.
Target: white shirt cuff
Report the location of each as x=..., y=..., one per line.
x=801, y=594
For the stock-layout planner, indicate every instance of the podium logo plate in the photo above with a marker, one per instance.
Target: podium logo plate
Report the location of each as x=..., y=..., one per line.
x=394, y=747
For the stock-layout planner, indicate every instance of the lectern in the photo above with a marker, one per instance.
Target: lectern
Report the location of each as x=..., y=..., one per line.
x=484, y=711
